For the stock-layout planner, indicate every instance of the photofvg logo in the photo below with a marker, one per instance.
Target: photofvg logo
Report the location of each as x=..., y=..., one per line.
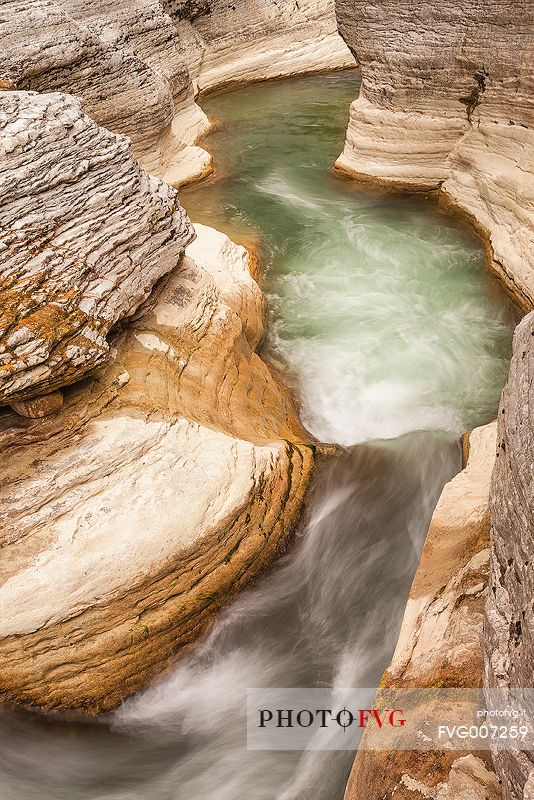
x=325, y=717
x=319, y=719
x=389, y=719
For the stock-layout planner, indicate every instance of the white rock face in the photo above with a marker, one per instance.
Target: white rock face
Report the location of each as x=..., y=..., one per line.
x=156, y=492
x=228, y=265
x=237, y=41
x=87, y=234
x=169, y=484
x=492, y=179
x=440, y=633
x=137, y=70
x=125, y=60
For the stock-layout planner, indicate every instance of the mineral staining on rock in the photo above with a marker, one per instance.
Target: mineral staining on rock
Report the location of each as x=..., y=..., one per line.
x=86, y=235
x=40, y=406
x=158, y=490
x=447, y=101
x=469, y=778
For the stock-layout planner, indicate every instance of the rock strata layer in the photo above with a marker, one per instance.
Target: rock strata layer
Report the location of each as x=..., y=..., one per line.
x=126, y=62
x=231, y=42
x=137, y=69
x=86, y=233
x=172, y=466
x=439, y=641
x=447, y=101
x=161, y=487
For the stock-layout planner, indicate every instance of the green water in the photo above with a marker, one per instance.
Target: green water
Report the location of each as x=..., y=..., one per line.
x=381, y=307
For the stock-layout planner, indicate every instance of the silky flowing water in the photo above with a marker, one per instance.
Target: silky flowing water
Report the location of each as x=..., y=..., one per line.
x=381, y=307
x=396, y=341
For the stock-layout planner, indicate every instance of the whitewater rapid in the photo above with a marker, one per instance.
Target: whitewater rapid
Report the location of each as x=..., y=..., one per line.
x=382, y=314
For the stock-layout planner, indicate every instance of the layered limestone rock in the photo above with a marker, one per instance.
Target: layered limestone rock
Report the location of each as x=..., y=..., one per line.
x=137, y=70
x=439, y=641
x=509, y=628
x=126, y=62
x=160, y=488
x=237, y=41
x=86, y=235
x=468, y=779
x=447, y=102
x=138, y=500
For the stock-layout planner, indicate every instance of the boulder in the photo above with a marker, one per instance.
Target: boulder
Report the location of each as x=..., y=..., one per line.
x=87, y=234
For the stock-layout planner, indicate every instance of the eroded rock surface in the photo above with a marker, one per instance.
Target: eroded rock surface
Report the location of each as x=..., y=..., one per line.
x=237, y=41
x=138, y=70
x=439, y=642
x=125, y=60
x=139, y=499
x=160, y=488
x=468, y=779
x=86, y=233
x=447, y=101
x=509, y=629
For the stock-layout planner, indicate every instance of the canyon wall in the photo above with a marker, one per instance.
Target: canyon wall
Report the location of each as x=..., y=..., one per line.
x=124, y=60
x=230, y=42
x=447, y=104
x=509, y=627
x=439, y=640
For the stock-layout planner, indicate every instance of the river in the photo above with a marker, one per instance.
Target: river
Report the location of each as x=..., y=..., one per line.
x=395, y=340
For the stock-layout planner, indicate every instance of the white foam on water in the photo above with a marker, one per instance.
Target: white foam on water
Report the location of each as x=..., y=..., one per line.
x=275, y=185
x=384, y=331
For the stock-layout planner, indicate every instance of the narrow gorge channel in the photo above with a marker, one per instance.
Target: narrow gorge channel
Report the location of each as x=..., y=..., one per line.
x=395, y=341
